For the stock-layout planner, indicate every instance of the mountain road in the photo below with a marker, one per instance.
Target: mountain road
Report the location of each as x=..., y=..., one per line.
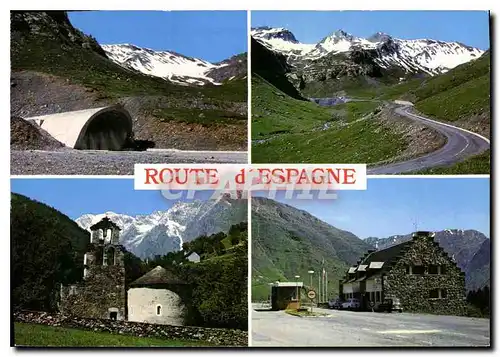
x=460, y=144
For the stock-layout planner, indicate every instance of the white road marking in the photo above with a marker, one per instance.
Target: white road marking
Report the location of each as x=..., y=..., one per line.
x=408, y=332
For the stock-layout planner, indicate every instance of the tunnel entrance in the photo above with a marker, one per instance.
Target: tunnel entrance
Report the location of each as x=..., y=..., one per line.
x=109, y=130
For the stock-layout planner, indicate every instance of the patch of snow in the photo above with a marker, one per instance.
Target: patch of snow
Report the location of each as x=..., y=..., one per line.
x=169, y=65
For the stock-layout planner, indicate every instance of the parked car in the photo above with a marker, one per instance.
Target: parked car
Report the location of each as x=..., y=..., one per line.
x=351, y=304
x=335, y=303
x=390, y=305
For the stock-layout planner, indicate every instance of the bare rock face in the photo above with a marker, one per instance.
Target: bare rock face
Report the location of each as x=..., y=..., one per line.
x=53, y=25
x=233, y=68
x=25, y=135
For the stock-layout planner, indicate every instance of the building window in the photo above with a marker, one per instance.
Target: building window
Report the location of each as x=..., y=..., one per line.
x=433, y=269
x=443, y=269
x=408, y=269
x=418, y=270
x=158, y=310
x=438, y=294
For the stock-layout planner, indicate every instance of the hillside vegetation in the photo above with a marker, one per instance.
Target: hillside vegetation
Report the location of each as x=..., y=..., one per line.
x=219, y=298
x=460, y=93
x=47, y=249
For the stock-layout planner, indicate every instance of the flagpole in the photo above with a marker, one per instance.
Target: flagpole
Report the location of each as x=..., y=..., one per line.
x=319, y=288
x=326, y=281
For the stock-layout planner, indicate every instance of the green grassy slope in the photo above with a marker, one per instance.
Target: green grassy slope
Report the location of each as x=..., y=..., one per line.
x=288, y=130
x=47, y=336
x=459, y=93
x=287, y=242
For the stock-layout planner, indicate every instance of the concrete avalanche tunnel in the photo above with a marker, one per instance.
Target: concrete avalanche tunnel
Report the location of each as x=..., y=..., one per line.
x=106, y=128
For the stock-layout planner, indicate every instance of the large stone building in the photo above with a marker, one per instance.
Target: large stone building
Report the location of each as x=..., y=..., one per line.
x=418, y=272
x=102, y=293
x=158, y=297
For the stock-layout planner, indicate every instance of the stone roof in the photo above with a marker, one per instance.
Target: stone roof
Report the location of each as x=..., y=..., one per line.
x=157, y=276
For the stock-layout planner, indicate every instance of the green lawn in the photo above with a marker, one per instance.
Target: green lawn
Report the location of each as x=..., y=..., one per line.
x=479, y=164
x=41, y=336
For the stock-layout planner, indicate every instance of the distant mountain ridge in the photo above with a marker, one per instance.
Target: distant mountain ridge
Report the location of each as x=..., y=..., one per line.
x=420, y=55
x=162, y=232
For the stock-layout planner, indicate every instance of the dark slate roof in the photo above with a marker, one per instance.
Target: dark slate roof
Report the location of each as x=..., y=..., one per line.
x=104, y=224
x=157, y=276
x=386, y=255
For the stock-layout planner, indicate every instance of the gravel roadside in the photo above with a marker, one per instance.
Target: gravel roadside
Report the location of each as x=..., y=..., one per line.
x=77, y=162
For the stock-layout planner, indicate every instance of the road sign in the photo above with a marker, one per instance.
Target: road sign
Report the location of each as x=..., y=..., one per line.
x=311, y=294
x=372, y=303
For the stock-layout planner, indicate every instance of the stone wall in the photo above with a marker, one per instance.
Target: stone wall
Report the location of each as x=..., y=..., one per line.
x=143, y=304
x=413, y=290
x=102, y=293
x=220, y=337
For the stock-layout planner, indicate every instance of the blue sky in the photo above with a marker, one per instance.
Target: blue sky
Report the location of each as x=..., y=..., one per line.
x=468, y=27
x=391, y=206
x=75, y=197
x=210, y=35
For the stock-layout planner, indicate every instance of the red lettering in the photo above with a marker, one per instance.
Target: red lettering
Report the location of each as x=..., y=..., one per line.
x=151, y=175
x=350, y=175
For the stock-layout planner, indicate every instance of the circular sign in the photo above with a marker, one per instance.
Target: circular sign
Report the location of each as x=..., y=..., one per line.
x=372, y=303
x=311, y=294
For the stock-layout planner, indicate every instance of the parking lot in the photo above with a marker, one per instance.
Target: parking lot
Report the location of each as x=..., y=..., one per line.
x=362, y=329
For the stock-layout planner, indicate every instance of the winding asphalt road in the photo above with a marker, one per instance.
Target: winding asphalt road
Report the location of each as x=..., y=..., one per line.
x=364, y=329
x=460, y=145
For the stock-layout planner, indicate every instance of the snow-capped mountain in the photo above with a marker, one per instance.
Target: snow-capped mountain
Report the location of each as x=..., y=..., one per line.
x=169, y=65
x=165, y=231
x=421, y=55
